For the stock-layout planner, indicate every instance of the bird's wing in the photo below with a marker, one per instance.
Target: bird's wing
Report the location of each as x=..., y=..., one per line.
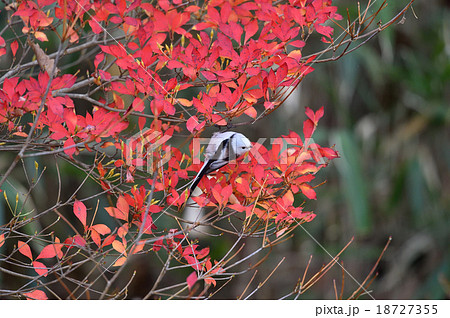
x=218, y=141
x=216, y=161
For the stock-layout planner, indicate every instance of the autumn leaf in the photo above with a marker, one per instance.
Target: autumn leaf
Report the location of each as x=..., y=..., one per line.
x=97, y=230
x=24, y=249
x=41, y=36
x=14, y=47
x=191, y=279
x=120, y=261
x=51, y=250
x=40, y=268
x=308, y=128
x=108, y=240
x=76, y=240
x=119, y=247
x=315, y=117
x=123, y=230
x=308, y=191
x=79, y=209
x=120, y=211
x=101, y=229
x=36, y=295
x=210, y=281
x=193, y=123
x=95, y=26
x=185, y=102
x=148, y=226
x=47, y=64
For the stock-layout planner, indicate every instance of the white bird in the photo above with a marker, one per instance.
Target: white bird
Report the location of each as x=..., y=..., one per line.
x=222, y=148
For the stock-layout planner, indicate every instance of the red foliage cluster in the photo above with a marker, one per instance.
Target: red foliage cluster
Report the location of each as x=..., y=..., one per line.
x=237, y=54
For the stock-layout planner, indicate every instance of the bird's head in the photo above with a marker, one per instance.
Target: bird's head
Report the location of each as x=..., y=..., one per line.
x=242, y=145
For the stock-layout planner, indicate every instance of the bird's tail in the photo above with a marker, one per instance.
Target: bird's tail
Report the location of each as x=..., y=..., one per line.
x=194, y=185
x=199, y=176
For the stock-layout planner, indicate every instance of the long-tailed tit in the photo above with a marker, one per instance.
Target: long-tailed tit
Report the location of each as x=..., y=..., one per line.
x=222, y=148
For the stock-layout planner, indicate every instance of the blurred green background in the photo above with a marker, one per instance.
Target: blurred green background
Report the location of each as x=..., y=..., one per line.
x=387, y=111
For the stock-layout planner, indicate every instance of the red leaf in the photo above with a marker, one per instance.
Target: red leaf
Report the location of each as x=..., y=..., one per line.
x=20, y=134
x=119, y=247
x=148, y=224
x=297, y=43
x=74, y=241
x=217, y=195
x=288, y=198
x=282, y=72
x=174, y=64
x=123, y=230
x=259, y=173
x=120, y=261
x=79, y=209
x=41, y=36
x=192, y=123
x=308, y=191
x=139, y=246
x=24, y=249
x=96, y=238
x=251, y=111
x=55, y=106
x=169, y=108
x=296, y=55
x=185, y=102
x=210, y=281
x=226, y=193
x=108, y=240
x=328, y=153
x=138, y=105
x=191, y=279
x=69, y=148
x=14, y=47
x=98, y=58
x=2, y=239
x=115, y=212
x=269, y=105
x=49, y=251
x=98, y=229
x=308, y=128
x=324, y=30
x=96, y=27
x=233, y=30
x=203, y=253
x=123, y=206
x=78, y=240
x=314, y=116
x=36, y=295
x=40, y=268
x=250, y=30
x=101, y=229
x=121, y=212
x=210, y=76
x=104, y=75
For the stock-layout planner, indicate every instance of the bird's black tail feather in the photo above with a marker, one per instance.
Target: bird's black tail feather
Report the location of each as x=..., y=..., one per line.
x=199, y=177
